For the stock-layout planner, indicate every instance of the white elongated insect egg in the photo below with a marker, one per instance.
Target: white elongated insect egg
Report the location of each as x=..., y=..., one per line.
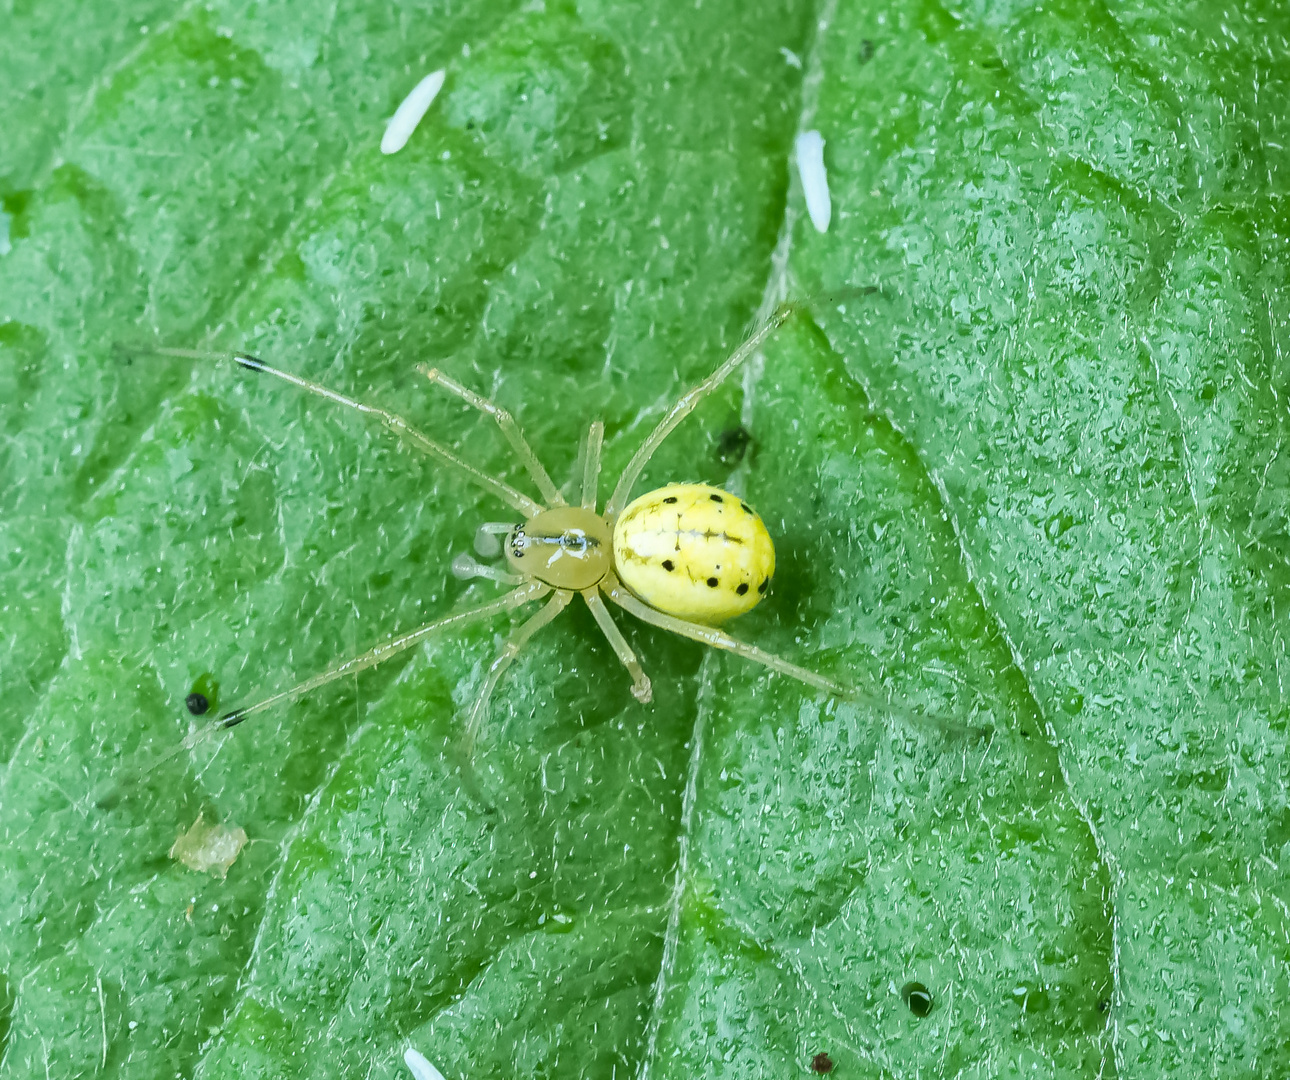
x=408, y=115
x=421, y=1068
x=815, y=181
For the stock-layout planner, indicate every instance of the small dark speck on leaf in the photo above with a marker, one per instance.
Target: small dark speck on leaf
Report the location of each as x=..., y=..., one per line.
x=1104, y=1005
x=822, y=1063
x=917, y=997
x=732, y=445
x=866, y=51
x=713, y=583
x=197, y=704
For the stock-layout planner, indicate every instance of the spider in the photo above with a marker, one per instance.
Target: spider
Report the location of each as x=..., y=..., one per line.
x=685, y=557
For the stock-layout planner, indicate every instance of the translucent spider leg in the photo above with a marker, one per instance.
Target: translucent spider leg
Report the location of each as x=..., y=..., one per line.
x=718, y=639
x=518, y=639
x=591, y=466
x=641, y=689
x=515, y=499
x=687, y=403
x=509, y=427
x=534, y=590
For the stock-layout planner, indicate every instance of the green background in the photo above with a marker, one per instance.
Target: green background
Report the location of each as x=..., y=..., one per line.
x=1034, y=482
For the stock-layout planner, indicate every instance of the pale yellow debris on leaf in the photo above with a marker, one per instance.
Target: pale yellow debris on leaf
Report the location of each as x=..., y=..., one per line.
x=209, y=849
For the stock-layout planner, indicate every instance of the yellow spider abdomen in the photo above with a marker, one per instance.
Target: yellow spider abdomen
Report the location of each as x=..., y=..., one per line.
x=694, y=551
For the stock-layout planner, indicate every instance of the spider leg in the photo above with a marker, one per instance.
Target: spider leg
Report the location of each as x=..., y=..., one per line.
x=687, y=403
x=534, y=590
x=591, y=467
x=509, y=427
x=515, y=499
x=518, y=639
x=718, y=639
x=641, y=689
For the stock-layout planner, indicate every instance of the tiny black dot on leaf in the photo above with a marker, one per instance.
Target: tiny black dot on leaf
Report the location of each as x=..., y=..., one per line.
x=669, y=565
x=670, y=499
x=917, y=997
x=764, y=585
x=822, y=1063
x=716, y=498
x=733, y=445
x=743, y=588
x=197, y=703
x=713, y=583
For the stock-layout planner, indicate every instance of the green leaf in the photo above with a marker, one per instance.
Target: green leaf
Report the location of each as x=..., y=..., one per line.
x=1028, y=488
